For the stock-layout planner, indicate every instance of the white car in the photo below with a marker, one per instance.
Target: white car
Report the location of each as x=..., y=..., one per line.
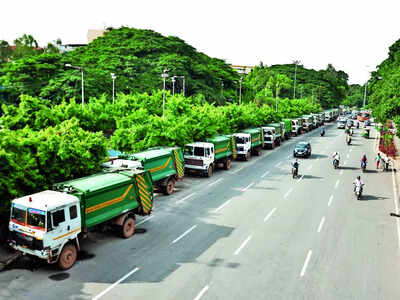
x=341, y=124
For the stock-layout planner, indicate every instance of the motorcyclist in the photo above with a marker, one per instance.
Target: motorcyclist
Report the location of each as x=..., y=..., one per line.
x=364, y=159
x=295, y=166
x=336, y=156
x=358, y=182
x=323, y=131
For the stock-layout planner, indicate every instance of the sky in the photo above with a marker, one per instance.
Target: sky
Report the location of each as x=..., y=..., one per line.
x=353, y=35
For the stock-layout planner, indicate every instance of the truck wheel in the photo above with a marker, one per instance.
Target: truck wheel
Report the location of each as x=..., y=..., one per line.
x=67, y=257
x=227, y=164
x=169, y=188
x=209, y=171
x=128, y=228
x=247, y=157
x=258, y=152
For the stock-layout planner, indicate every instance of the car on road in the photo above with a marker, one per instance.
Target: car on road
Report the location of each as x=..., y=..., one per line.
x=302, y=149
x=341, y=124
x=367, y=123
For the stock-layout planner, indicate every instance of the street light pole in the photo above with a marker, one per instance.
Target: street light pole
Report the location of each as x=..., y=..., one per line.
x=82, y=82
x=365, y=94
x=173, y=84
x=113, y=77
x=296, y=62
x=164, y=75
x=183, y=77
x=240, y=90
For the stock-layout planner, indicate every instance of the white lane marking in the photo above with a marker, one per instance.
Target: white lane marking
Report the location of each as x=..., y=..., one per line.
x=395, y=197
x=348, y=155
x=234, y=172
x=288, y=192
x=309, y=167
x=303, y=270
x=330, y=200
x=183, y=234
x=300, y=178
x=202, y=292
x=345, y=162
x=247, y=187
x=289, y=156
x=278, y=164
x=341, y=172
x=222, y=206
x=265, y=174
x=115, y=284
x=321, y=224
x=270, y=214
x=145, y=220
x=243, y=245
x=187, y=197
x=215, y=182
x=317, y=158
x=337, y=183
x=350, y=150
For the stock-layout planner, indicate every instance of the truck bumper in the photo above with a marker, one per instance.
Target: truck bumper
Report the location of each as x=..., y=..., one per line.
x=43, y=254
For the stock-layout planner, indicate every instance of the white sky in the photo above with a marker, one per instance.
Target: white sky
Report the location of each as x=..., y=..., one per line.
x=350, y=34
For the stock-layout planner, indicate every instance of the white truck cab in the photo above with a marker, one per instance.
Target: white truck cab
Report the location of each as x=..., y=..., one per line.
x=42, y=223
x=295, y=127
x=315, y=121
x=269, y=137
x=243, y=145
x=199, y=157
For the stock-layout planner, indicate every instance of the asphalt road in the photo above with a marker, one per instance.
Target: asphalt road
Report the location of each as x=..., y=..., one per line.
x=249, y=233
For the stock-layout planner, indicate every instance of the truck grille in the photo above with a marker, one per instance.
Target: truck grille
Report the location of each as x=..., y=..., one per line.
x=24, y=240
x=240, y=148
x=193, y=162
x=268, y=138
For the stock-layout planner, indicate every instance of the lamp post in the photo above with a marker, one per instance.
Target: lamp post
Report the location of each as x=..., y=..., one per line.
x=173, y=84
x=183, y=77
x=113, y=77
x=365, y=91
x=296, y=62
x=240, y=90
x=164, y=76
x=83, y=86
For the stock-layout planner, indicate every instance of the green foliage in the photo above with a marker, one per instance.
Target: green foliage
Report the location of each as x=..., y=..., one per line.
x=328, y=87
x=354, y=96
x=137, y=57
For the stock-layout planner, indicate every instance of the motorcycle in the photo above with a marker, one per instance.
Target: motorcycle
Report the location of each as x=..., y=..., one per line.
x=295, y=171
x=336, y=163
x=385, y=164
x=358, y=189
x=322, y=132
x=363, y=166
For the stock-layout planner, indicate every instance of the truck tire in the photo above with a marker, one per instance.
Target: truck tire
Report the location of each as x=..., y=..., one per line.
x=209, y=171
x=169, y=188
x=247, y=156
x=227, y=164
x=67, y=257
x=258, y=152
x=128, y=228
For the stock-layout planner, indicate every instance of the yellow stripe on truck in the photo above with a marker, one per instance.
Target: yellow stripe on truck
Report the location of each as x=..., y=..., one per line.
x=161, y=167
x=108, y=203
x=68, y=233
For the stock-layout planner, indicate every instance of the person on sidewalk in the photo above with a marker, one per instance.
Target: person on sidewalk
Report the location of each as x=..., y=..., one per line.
x=378, y=160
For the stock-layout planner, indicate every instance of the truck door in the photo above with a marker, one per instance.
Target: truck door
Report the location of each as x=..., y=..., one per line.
x=59, y=226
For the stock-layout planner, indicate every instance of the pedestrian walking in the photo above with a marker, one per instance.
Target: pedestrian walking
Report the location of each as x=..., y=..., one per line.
x=378, y=160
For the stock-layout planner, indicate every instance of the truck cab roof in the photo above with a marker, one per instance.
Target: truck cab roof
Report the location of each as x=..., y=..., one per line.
x=200, y=144
x=46, y=200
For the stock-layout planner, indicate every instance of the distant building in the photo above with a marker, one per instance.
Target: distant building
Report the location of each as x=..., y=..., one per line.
x=94, y=34
x=69, y=47
x=242, y=69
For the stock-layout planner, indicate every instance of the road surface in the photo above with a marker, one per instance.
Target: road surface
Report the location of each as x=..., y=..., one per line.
x=249, y=233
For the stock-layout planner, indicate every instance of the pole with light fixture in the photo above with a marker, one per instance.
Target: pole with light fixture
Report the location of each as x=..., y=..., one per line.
x=113, y=77
x=164, y=76
x=82, y=82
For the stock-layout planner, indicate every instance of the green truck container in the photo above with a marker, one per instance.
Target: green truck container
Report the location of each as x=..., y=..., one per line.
x=288, y=128
x=225, y=150
x=307, y=122
x=166, y=166
x=50, y=224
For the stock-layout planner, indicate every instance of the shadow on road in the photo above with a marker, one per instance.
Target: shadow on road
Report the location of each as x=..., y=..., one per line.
x=311, y=177
x=349, y=168
x=372, y=197
x=371, y=171
x=315, y=156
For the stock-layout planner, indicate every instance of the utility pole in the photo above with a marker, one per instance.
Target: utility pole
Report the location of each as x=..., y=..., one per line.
x=82, y=82
x=365, y=94
x=164, y=76
x=296, y=62
x=173, y=84
x=240, y=90
x=113, y=77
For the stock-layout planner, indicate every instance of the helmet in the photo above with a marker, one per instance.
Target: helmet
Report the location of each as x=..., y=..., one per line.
x=359, y=177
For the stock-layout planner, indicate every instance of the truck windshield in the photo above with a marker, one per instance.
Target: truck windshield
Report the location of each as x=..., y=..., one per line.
x=198, y=151
x=18, y=214
x=188, y=151
x=36, y=218
x=239, y=140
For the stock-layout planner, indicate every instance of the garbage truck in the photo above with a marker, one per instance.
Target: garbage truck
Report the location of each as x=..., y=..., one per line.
x=278, y=132
x=269, y=137
x=166, y=166
x=249, y=141
x=205, y=157
x=297, y=126
x=288, y=128
x=50, y=224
